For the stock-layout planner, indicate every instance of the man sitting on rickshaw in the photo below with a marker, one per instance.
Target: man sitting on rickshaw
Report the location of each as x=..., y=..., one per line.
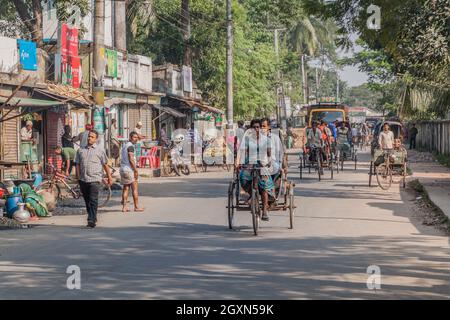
x=256, y=151
x=278, y=157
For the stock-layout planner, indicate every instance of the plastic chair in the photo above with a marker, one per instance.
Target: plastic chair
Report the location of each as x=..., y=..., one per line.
x=153, y=160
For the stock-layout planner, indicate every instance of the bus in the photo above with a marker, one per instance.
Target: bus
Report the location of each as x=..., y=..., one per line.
x=328, y=112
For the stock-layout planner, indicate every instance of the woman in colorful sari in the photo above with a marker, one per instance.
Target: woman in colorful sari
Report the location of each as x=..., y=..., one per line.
x=255, y=149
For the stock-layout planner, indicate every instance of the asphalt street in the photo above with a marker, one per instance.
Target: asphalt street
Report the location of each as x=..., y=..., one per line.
x=181, y=247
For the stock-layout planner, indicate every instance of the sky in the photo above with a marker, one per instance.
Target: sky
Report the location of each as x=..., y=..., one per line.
x=351, y=74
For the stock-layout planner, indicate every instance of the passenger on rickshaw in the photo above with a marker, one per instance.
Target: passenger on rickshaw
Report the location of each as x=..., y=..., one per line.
x=342, y=144
x=326, y=137
x=256, y=150
x=278, y=159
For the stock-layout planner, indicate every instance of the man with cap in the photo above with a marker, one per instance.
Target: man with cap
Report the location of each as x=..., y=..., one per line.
x=138, y=130
x=26, y=135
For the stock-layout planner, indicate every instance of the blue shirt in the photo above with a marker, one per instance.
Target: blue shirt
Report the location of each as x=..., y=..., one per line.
x=332, y=127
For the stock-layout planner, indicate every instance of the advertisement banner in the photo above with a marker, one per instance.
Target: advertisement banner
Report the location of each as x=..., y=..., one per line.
x=68, y=62
x=28, y=54
x=99, y=119
x=69, y=40
x=111, y=63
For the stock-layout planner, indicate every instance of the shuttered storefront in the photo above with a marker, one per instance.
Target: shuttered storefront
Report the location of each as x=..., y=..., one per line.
x=146, y=119
x=133, y=117
x=9, y=141
x=142, y=113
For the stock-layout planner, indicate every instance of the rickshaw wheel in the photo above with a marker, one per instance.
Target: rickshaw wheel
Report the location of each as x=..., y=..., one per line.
x=331, y=164
x=384, y=176
x=319, y=167
x=256, y=216
x=405, y=172
x=231, y=204
x=356, y=160
x=370, y=173
x=291, y=208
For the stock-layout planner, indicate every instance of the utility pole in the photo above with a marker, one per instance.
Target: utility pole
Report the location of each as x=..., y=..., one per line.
x=120, y=35
x=229, y=65
x=317, y=85
x=304, y=82
x=281, y=105
x=99, y=51
x=337, y=86
x=98, y=90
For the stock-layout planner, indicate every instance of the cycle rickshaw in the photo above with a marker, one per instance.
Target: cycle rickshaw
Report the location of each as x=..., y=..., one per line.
x=284, y=198
x=317, y=158
x=387, y=164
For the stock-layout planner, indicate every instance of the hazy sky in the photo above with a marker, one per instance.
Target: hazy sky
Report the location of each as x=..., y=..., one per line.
x=351, y=74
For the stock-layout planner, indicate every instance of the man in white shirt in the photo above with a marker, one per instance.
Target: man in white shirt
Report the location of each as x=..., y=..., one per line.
x=386, y=138
x=26, y=133
x=315, y=136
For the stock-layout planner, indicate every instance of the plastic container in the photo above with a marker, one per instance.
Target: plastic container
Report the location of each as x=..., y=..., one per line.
x=12, y=204
x=21, y=214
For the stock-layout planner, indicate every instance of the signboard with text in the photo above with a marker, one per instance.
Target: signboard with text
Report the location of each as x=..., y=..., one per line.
x=67, y=61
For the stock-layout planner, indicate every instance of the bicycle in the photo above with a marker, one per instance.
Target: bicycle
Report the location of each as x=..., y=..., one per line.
x=53, y=185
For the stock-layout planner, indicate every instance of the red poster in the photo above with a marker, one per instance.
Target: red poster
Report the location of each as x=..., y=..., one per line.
x=76, y=66
x=69, y=40
x=70, y=61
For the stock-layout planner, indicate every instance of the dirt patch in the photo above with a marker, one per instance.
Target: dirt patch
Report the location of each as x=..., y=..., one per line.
x=425, y=209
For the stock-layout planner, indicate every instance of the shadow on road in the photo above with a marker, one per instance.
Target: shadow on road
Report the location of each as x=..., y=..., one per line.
x=201, y=261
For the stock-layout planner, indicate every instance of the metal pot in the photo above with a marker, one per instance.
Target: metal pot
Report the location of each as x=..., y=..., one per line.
x=21, y=214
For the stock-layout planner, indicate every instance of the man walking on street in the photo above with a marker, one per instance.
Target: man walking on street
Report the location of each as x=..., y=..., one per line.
x=90, y=162
x=413, y=135
x=129, y=173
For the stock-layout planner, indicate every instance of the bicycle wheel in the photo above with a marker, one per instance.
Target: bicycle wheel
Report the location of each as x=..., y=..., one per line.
x=331, y=164
x=51, y=187
x=301, y=168
x=319, y=167
x=175, y=169
x=104, y=195
x=185, y=170
x=256, y=211
x=231, y=204
x=384, y=176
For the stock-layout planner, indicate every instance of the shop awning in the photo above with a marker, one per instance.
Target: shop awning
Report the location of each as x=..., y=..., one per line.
x=29, y=102
x=196, y=103
x=118, y=100
x=170, y=111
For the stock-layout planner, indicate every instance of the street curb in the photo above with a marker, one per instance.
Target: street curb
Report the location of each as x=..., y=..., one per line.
x=428, y=195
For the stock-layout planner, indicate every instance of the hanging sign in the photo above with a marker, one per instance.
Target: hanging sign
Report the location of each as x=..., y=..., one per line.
x=28, y=55
x=68, y=62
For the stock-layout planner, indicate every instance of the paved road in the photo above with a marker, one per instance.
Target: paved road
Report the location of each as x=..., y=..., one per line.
x=181, y=248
